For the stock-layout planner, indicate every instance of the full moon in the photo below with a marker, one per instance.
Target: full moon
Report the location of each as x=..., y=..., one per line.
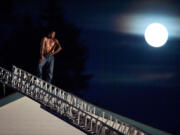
x=156, y=35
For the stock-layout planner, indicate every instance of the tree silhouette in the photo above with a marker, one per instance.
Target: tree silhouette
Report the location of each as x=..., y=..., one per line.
x=6, y=9
x=20, y=49
x=23, y=48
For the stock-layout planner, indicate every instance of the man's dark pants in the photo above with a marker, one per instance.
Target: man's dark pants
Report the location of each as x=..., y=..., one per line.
x=49, y=60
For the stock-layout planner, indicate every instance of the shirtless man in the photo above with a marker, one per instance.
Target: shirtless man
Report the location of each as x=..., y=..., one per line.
x=49, y=47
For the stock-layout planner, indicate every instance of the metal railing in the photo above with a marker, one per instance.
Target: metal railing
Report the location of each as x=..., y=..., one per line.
x=86, y=116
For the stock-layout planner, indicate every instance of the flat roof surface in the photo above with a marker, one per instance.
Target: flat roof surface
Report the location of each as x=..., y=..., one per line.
x=25, y=117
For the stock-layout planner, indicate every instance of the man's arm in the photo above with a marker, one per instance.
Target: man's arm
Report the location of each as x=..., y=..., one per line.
x=59, y=47
x=42, y=48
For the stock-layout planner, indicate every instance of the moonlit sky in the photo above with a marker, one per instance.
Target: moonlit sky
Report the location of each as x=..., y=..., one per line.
x=110, y=29
x=124, y=16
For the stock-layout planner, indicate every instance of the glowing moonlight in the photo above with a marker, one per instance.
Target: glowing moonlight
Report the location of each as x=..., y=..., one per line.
x=156, y=35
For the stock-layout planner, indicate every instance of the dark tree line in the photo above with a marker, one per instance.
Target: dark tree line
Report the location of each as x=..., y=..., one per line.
x=23, y=48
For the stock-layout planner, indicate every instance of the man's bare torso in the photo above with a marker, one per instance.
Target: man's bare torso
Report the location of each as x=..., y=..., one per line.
x=49, y=45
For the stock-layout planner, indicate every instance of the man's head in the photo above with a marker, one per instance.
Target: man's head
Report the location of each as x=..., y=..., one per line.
x=52, y=34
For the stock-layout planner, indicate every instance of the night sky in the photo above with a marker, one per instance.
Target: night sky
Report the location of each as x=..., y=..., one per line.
x=129, y=76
